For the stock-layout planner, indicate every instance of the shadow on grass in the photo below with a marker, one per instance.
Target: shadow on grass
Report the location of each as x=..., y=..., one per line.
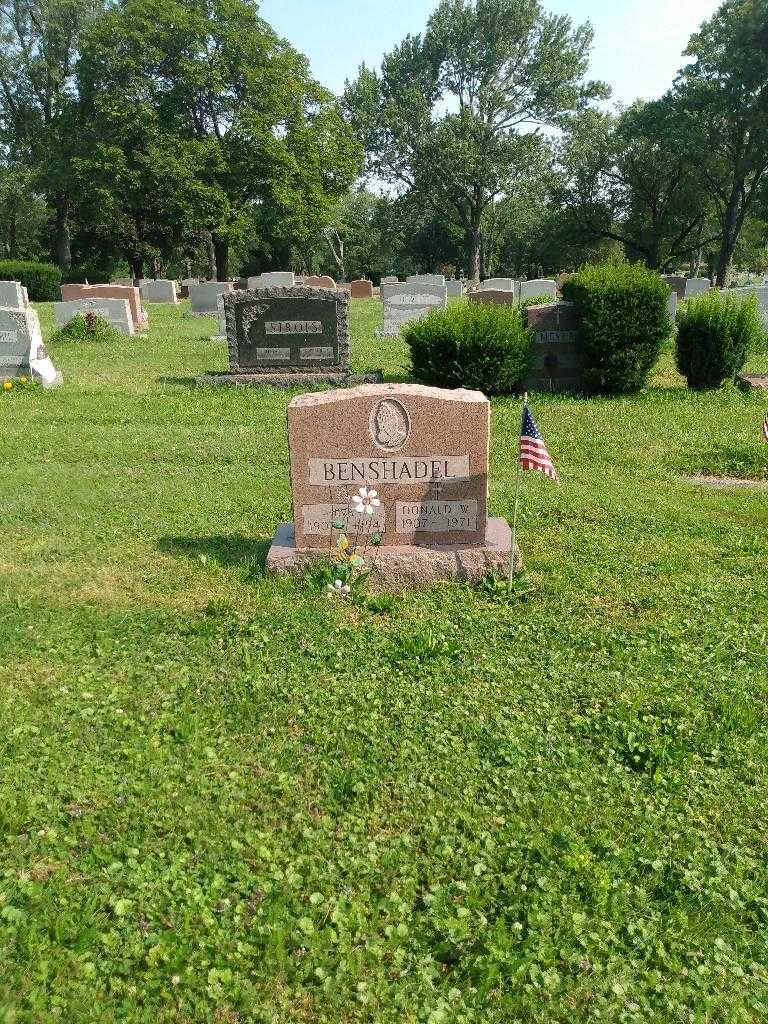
x=237, y=551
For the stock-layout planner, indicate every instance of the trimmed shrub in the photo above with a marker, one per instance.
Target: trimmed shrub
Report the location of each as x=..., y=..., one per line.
x=471, y=346
x=715, y=334
x=88, y=327
x=42, y=280
x=624, y=324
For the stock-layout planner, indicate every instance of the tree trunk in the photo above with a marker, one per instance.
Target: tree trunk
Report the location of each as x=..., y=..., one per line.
x=473, y=254
x=731, y=227
x=207, y=235
x=221, y=253
x=63, y=250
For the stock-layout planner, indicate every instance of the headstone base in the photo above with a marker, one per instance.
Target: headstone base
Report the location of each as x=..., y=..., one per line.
x=410, y=567
x=289, y=380
x=748, y=381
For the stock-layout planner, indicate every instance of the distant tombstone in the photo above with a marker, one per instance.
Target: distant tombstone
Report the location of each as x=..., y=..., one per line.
x=434, y=279
x=70, y=292
x=22, y=352
x=320, y=281
x=275, y=279
x=203, y=297
x=677, y=283
x=13, y=295
x=404, y=303
x=454, y=289
x=286, y=336
x=761, y=294
x=361, y=289
x=222, y=319
x=558, y=361
x=672, y=305
x=124, y=282
x=161, y=290
x=498, y=284
x=493, y=297
x=116, y=311
x=539, y=287
x=424, y=451
x=697, y=286
x=186, y=284
x=390, y=279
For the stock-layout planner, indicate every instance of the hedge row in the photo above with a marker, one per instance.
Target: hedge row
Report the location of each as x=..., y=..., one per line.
x=42, y=280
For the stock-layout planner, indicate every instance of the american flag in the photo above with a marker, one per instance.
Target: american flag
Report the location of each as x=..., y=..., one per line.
x=765, y=428
x=533, y=451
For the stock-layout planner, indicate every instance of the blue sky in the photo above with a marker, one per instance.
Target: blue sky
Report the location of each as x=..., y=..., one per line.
x=638, y=43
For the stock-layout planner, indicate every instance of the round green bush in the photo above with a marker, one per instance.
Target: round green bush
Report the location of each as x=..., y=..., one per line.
x=471, y=345
x=624, y=324
x=715, y=334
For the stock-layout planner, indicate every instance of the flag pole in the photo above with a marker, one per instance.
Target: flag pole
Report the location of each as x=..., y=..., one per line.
x=517, y=502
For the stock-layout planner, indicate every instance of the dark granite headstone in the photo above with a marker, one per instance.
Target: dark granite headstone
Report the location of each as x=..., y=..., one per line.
x=558, y=362
x=287, y=330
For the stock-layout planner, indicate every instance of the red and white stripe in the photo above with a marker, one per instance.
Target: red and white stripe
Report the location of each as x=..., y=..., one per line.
x=534, y=456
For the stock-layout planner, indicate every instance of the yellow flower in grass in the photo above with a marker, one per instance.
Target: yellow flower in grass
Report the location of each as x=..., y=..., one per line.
x=7, y=385
x=342, y=549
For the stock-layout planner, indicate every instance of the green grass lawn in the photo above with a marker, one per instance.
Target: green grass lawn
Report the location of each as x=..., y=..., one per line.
x=225, y=798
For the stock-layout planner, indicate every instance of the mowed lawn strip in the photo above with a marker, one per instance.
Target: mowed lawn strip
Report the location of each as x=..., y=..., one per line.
x=224, y=797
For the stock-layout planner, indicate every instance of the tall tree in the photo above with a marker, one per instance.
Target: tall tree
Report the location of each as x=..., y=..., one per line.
x=724, y=93
x=453, y=116
x=629, y=178
x=39, y=46
x=214, y=84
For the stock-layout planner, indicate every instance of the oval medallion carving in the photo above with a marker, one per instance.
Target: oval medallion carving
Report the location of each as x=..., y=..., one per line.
x=390, y=425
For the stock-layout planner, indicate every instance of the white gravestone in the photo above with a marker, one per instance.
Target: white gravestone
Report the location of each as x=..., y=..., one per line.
x=221, y=316
x=697, y=286
x=116, y=311
x=276, y=279
x=455, y=289
x=13, y=295
x=161, y=290
x=22, y=352
x=204, y=297
x=404, y=303
x=500, y=284
x=436, y=279
x=760, y=293
x=539, y=287
x=390, y=279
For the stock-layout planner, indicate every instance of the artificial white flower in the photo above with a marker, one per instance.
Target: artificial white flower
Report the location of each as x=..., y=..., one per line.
x=366, y=501
x=338, y=588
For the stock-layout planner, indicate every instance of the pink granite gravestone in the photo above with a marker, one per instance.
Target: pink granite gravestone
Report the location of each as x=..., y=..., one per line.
x=70, y=292
x=361, y=289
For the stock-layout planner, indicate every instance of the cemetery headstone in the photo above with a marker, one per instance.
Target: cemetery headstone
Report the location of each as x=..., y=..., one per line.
x=320, y=281
x=435, y=279
x=493, y=297
x=425, y=451
x=677, y=283
x=390, y=279
x=22, y=352
x=672, y=305
x=186, y=284
x=116, y=311
x=13, y=295
x=454, y=289
x=696, y=286
x=285, y=337
x=203, y=297
x=533, y=289
x=161, y=290
x=361, y=289
x=276, y=279
x=404, y=303
x=70, y=292
x=761, y=294
x=499, y=284
x=558, y=361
